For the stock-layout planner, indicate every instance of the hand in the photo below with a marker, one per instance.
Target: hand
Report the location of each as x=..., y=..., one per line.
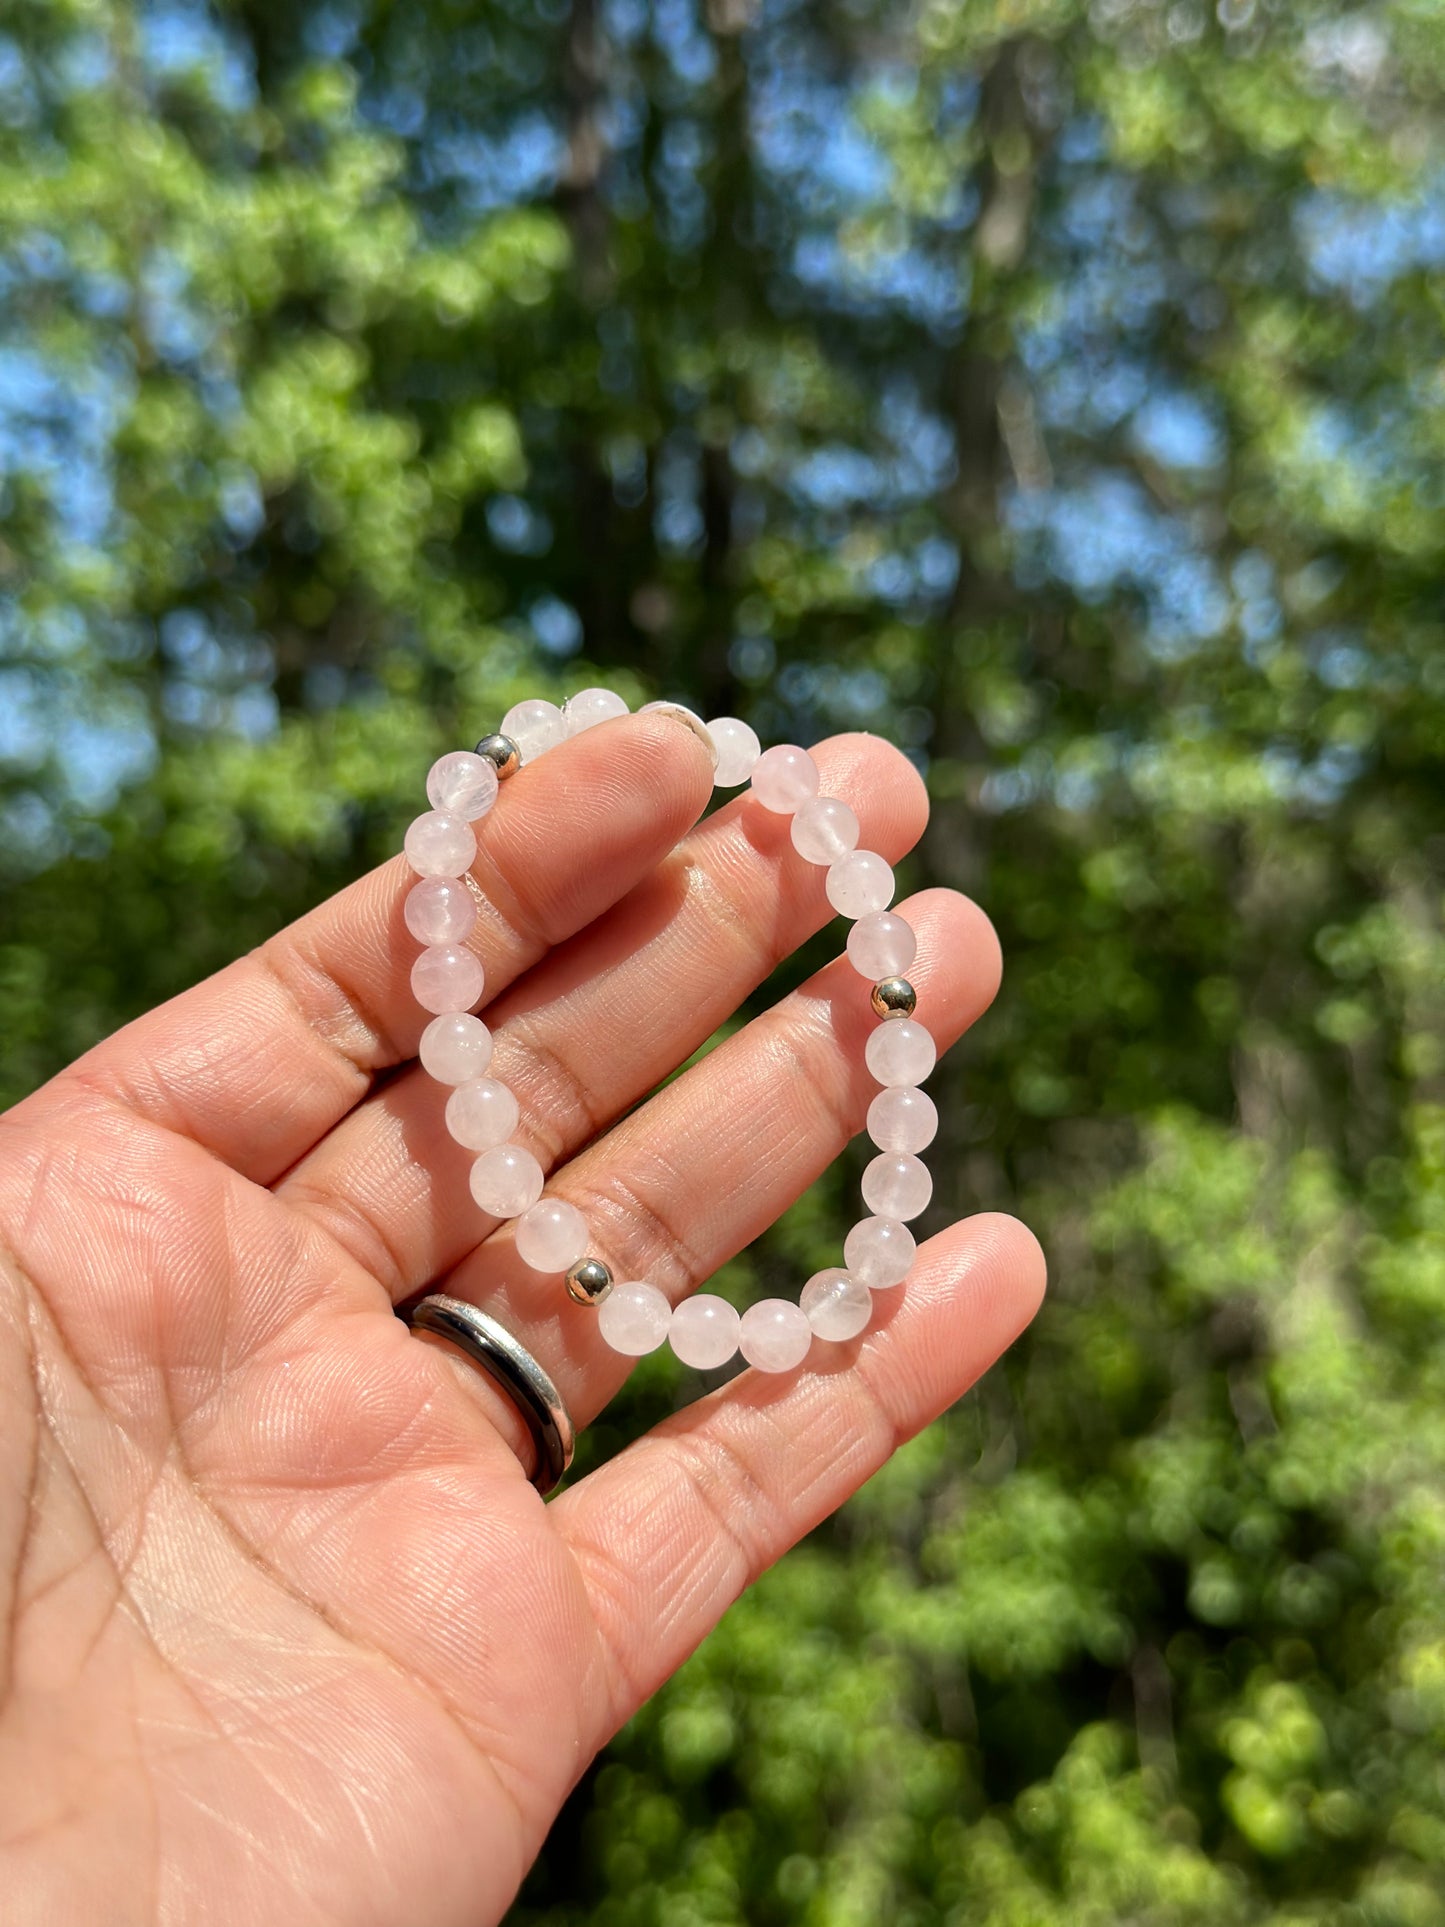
x=286, y=1635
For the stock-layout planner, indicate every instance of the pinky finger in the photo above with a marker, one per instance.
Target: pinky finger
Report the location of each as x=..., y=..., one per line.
x=669, y=1533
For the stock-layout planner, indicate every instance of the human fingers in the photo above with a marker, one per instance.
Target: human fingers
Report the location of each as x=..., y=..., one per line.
x=703, y=1167
x=600, y=1022
x=671, y=1531
x=263, y=1058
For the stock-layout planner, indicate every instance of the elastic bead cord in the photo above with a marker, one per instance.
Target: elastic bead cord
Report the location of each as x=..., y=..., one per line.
x=482, y=1114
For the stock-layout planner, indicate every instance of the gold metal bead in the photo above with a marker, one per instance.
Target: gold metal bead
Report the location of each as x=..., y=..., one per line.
x=894, y=997
x=589, y=1281
x=502, y=753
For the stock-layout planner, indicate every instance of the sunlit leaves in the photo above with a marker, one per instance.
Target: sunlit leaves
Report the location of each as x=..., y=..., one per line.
x=1051, y=386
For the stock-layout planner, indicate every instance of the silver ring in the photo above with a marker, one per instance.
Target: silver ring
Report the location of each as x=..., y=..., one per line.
x=511, y=1366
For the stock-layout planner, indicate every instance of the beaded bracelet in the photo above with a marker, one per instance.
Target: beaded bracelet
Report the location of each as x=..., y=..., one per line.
x=482, y=1114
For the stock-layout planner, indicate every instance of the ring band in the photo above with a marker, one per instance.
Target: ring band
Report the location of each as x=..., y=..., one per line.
x=492, y=1347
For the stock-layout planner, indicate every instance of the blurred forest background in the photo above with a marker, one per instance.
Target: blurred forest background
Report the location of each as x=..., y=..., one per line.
x=1056, y=388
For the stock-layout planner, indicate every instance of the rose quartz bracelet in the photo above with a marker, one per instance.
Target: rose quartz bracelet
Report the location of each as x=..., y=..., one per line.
x=482, y=1114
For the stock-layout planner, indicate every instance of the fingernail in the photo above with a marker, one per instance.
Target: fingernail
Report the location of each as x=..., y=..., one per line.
x=689, y=721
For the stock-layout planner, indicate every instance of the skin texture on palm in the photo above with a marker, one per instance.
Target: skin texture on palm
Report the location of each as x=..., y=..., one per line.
x=285, y=1632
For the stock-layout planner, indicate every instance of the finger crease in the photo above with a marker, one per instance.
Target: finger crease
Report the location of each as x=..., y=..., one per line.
x=611, y=1578
x=721, y=1477
x=567, y=1096
x=376, y=1044
x=349, y=1224
x=646, y=1228
x=811, y=1060
x=877, y=1412
x=527, y=934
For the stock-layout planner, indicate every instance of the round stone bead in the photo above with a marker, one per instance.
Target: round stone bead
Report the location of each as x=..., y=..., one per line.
x=896, y=1186
x=551, y=1235
x=784, y=777
x=774, y=1335
x=738, y=750
x=836, y=1306
x=439, y=844
x=882, y=945
x=506, y=1180
x=591, y=706
x=900, y=1051
x=439, y=910
x=535, y=726
x=446, y=977
x=859, y=884
x=879, y=1252
x=455, y=1047
x=482, y=1113
x=902, y=1119
x=633, y=1318
x=823, y=829
x=462, y=784
x=704, y=1331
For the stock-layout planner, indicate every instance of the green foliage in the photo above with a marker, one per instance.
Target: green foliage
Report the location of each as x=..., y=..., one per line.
x=1053, y=387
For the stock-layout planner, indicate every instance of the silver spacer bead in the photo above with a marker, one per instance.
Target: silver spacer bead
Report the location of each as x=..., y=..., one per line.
x=894, y=997
x=502, y=753
x=588, y=1282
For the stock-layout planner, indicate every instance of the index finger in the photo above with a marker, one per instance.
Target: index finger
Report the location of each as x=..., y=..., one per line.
x=258, y=1062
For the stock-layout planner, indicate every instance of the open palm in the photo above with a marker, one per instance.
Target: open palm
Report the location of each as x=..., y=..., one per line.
x=286, y=1634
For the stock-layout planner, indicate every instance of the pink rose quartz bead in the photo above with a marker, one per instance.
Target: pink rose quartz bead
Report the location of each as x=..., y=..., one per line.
x=823, y=829
x=738, y=750
x=482, y=1113
x=446, y=977
x=902, y=1118
x=455, y=1047
x=591, y=706
x=440, y=845
x=882, y=945
x=463, y=784
x=535, y=726
x=896, y=1187
x=879, y=1252
x=784, y=777
x=551, y=1235
x=634, y=1317
x=505, y=1181
x=900, y=1051
x=704, y=1331
x=774, y=1335
x=859, y=884
x=836, y=1306
x=439, y=910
